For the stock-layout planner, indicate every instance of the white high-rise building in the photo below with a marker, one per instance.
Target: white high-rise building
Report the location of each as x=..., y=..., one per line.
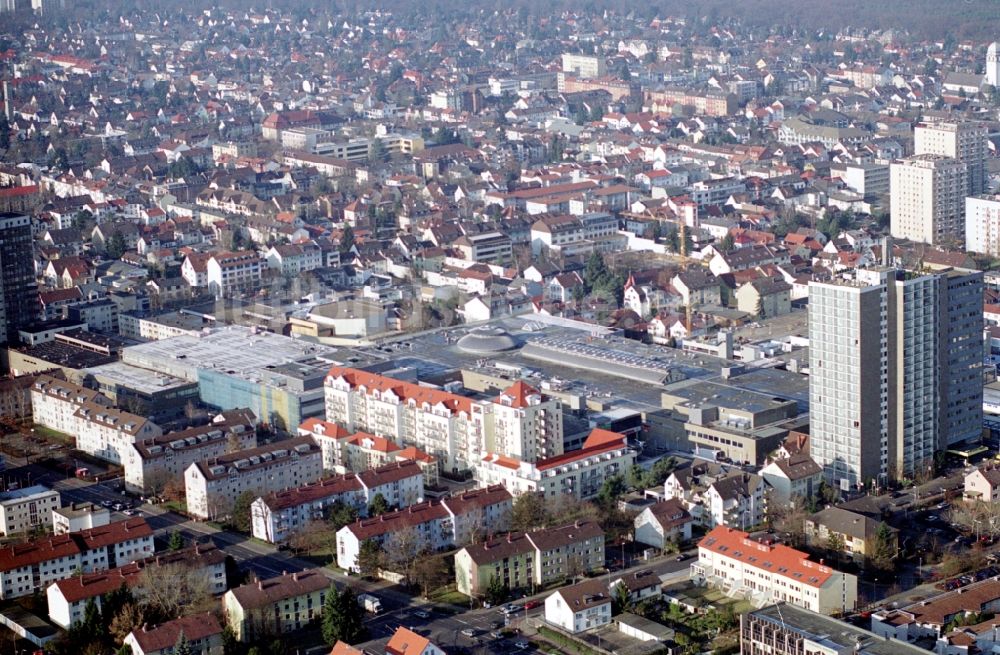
x=965, y=142
x=993, y=64
x=927, y=197
x=585, y=66
x=982, y=225
x=894, y=363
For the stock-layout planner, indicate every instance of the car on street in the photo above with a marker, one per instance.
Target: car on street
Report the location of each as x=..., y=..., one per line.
x=511, y=609
x=422, y=614
x=496, y=634
x=128, y=512
x=681, y=557
x=106, y=503
x=496, y=625
x=532, y=604
x=469, y=632
x=522, y=644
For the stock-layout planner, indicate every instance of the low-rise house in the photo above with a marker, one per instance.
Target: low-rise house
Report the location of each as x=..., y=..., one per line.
x=26, y=568
x=277, y=516
x=433, y=525
x=202, y=632
x=928, y=618
x=797, y=476
x=641, y=584
x=212, y=486
x=857, y=532
x=579, y=607
x=23, y=510
x=528, y=560
x=766, y=573
x=405, y=642
x=662, y=523
x=983, y=484
x=764, y=297
x=276, y=605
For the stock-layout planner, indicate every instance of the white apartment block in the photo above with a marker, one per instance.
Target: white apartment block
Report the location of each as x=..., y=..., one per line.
x=22, y=510
x=585, y=66
x=151, y=463
x=230, y=273
x=78, y=517
x=279, y=515
x=927, y=199
x=965, y=142
x=54, y=402
x=434, y=525
x=579, y=473
x=982, y=225
x=452, y=428
x=108, y=433
x=67, y=598
x=213, y=485
x=26, y=568
x=764, y=574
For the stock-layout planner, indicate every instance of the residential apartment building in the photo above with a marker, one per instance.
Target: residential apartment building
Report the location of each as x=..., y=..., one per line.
x=150, y=463
x=202, y=633
x=26, y=568
x=77, y=517
x=278, y=515
x=523, y=561
x=276, y=605
x=54, y=403
x=212, y=486
x=23, y=510
x=927, y=199
x=792, y=477
x=344, y=452
x=430, y=526
x=68, y=597
x=784, y=629
x=895, y=366
x=487, y=247
x=18, y=289
x=584, y=66
x=982, y=224
x=965, y=142
x=108, y=433
x=715, y=495
x=663, y=523
x=767, y=573
x=579, y=607
x=579, y=473
x=231, y=273
x=452, y=428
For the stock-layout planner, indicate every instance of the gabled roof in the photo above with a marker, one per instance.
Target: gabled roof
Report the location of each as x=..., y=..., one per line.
x=405, y=391
x=776, y=559
x=406, y=642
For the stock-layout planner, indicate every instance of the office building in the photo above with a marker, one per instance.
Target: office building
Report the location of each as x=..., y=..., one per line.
x=785, y=629
x=895, y=367
x=965, y=142
x=18, y=289
x=927, y=197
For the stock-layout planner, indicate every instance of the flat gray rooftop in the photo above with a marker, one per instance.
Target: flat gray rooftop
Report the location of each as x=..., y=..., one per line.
x=138, y=379
x=838, y=635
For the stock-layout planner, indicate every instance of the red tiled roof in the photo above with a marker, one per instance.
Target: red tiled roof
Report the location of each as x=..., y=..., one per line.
x=518, y=394
x=599, y=441
x=777, y=559
x=405, y=391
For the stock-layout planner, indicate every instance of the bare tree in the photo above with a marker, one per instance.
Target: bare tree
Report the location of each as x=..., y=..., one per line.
x=978, y=517
x=402, y=550
x=174, y=589
x=131, y=616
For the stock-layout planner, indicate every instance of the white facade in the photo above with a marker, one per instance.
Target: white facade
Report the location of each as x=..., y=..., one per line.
x=982, y=225
x=25, y=509
x=211, y=487
x=232, y=273
x=580, y=607
x=965, y=142
x=54, y=403
x=927, y=198
x=109, y=433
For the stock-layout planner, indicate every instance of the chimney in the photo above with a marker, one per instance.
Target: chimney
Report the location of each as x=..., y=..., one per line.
x=7, y=110
x=509, y=538
x=295, y=576
x=260, y=585
x=576, y=524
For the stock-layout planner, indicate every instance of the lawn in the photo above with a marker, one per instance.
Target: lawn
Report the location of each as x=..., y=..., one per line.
x=448, y=594
x=564, y=643
x=53, y=435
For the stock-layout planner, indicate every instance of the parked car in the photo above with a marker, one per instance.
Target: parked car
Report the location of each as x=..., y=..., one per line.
x=532, y=604
x=469, y=632
x=522, y=644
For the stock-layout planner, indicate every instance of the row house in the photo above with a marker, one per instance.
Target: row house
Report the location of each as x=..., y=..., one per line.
x=765, y=573
x=278, y=515
x=67, y=598
x=430, y=526
x=30, y=567
x=150, y=463
x=579, y=473
x=212, y=486
x=525, y=560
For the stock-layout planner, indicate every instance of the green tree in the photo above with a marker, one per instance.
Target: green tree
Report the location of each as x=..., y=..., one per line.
x=343, y=617
x=116, y=245
x=727, y=244
x=528, y=512
x=4, y=133
x=496, y=592
x=611, y=491
x=883, y=549
x=835, y=543
x=341, y=514
x=176, y=540
x=182, y=647
x=621, y=600
x=379, y=505
x=240, y=519
x=371, y=558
